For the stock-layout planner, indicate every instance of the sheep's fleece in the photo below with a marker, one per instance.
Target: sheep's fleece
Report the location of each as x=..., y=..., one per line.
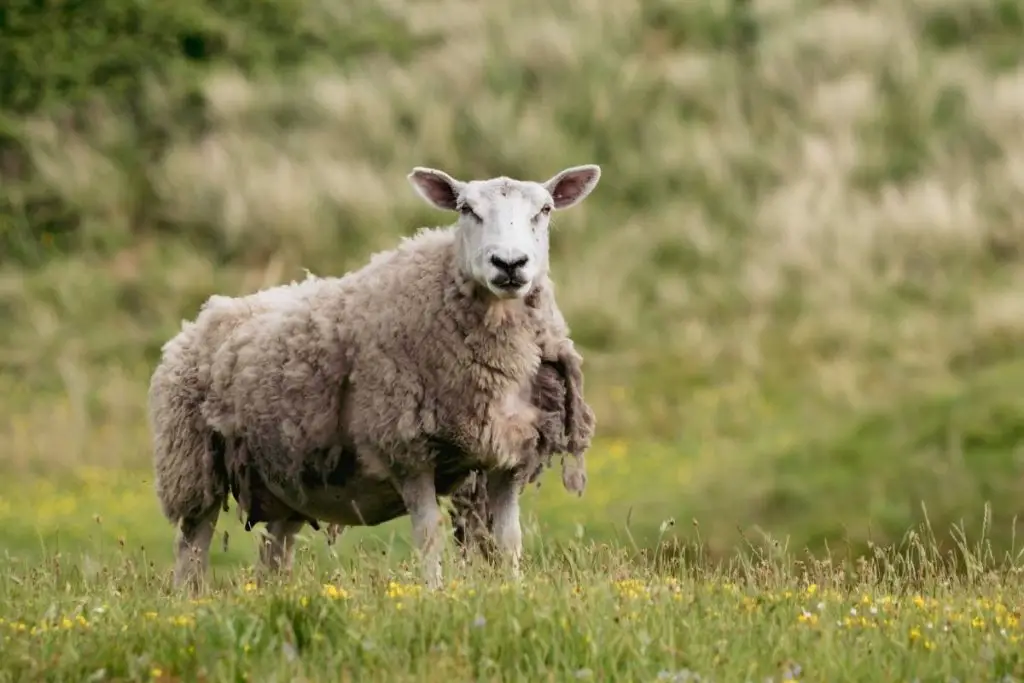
x=314, y=392
x=566, y=426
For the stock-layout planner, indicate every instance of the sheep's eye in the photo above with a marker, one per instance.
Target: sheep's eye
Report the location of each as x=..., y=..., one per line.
x=543, y=212
x=467, y=210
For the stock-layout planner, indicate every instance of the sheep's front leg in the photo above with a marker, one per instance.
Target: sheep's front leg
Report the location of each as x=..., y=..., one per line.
x=503, y=498
x=420, y=499
x=192, y=548
x=277, y=550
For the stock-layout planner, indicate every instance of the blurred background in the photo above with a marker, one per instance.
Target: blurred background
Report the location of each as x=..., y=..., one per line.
x=798, y=288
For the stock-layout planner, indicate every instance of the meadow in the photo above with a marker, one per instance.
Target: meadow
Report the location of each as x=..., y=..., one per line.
x=798, y=290
x=582, y=612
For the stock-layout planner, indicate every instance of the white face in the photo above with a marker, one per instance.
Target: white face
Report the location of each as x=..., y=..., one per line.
x=503, y=223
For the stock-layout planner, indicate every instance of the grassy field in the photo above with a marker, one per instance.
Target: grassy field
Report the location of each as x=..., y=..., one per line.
x=582, y=612
x=798, y=289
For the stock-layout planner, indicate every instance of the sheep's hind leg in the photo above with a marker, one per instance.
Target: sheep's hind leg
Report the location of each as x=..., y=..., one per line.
x=192, y=548
x=503, y=498
x=277, y=549
x=420, y=499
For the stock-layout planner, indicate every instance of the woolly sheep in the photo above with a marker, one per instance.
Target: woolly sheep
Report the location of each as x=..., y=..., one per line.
x=361, y=398
x=566, y=427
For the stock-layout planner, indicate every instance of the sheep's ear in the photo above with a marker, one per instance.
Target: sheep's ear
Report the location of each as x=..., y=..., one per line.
x=572, y=185
x=437, y=187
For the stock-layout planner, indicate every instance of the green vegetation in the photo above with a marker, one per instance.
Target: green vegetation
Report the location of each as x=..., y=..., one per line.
x=799, y=287
x=582, y=613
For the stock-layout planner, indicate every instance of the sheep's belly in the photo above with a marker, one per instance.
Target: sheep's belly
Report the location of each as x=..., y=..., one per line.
x=361, y=501
x=351, y=497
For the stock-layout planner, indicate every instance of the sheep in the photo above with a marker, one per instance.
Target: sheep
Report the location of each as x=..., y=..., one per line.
x=568, y=431
x=557, y=392
x=361, y=398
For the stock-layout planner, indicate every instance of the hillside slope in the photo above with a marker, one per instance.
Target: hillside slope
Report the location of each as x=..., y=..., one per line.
x=801, y=274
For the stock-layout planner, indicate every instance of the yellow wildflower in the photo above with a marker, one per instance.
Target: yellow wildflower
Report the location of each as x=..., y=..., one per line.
x=631, y=588
x=335, y=592
x=397, y=590
x=806, y=617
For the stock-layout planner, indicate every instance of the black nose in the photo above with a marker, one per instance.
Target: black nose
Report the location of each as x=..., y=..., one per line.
x=509, y=266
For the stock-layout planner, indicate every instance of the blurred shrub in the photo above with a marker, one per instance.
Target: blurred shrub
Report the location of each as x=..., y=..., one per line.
x=809, y=223
x=65, y=59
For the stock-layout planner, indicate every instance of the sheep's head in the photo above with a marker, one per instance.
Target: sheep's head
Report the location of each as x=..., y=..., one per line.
x=503, y=222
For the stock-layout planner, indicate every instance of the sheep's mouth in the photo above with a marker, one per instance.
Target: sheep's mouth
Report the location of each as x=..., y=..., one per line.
x=509, y=285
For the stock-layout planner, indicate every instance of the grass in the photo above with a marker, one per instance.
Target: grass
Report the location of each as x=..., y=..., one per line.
x=583, y=611
x=85, y=594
